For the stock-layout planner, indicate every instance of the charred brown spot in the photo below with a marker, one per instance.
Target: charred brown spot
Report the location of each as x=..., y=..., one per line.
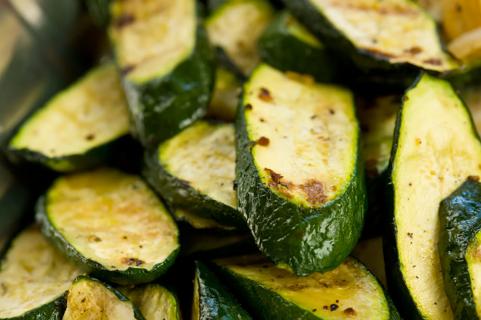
x=349, y=312
x=313, y=117
x=90, y=137
x=265, y=95
x=83, y=300
x=275, y=177
x=380, y=54
x=263, y=141
x=94, y=238
x=418, y=141
x=433, y=61
x=248, y=106
x=314, y=191
x=132, y=261
x=297, y=286
x=331, y=111
x=333, y=307
x=414, y=50
x=124, y=237
x=127, y=69
x=410, y=235
x=474, y=178
x=124, y=20
x=262, y=120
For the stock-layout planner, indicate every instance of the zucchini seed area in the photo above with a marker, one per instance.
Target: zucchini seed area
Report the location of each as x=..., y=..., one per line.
x=152, y=37
x=396, y=30
x=112, y=218
x=437, y=150
x=236, y=26
x=32, y=274
x=154, y=302
x=203, y=156
x=90, y=113
x=305, y=135
x=91, y=300
x=473, y=260
x=349, y=291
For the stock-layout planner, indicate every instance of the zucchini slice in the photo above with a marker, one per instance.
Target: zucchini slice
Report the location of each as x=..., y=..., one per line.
x=76, y=128
x=289, y=46
x=235, y=26
x=387, y=35
x=225, y=98
x=377, y=117
x=166, y=62
x=112, y=223
x=459, y=245
x=435, y=148
x=34, y=278
x=348, y=292
x=212, y=300
x=90, y=299
x=195, y=171
x=154, y=302
x=298, y=170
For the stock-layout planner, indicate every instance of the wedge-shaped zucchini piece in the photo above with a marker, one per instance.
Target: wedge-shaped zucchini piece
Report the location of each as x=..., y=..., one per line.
x=112, y=223
x=377, y=116
x=387, y=35
x=225, y=98
x=289, y=46
x=459, y=247
x=166, y=62
x=34, y=278
x=154, y=302
x=435, y=148
x=298, y=170
x=88, y=298
x=195, y=170
x=235, y=26
x=211, y=298
x=348, y=292
x=76, y=128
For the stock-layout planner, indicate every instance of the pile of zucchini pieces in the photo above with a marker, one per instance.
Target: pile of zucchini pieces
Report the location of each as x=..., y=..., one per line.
x=310, y=159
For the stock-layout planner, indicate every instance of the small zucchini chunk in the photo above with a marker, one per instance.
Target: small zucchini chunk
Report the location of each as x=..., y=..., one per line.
x=235, y=26
x=195, y=171
x=211, y=298
x=154, y=302
x=287, y=45
x=34, y=278
x=90, y=299
x=459, y=247
x=299, y=170
x=111, y=223
x=377, y=117
x=384, y=35
x=348, y=292
x=225, y=98
x=78, y=126
x=435, y=149
x=167, y=64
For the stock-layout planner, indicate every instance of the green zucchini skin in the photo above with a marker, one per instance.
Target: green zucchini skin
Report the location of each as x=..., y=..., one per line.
x=297, y=235
x=162, y=107
x=51, y=311
x=128, y=276
x=215, y=302
x=303, y=57
x=177, y=193
x=460, y=217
